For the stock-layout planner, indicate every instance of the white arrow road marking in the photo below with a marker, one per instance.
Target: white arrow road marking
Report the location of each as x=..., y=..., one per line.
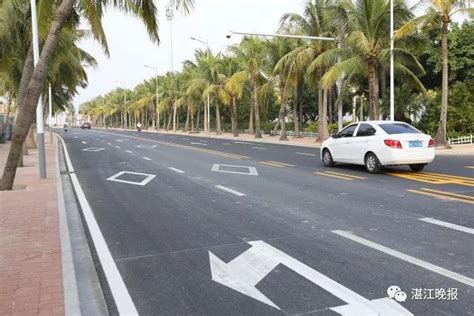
x=84, y=142
x=442, y=271
x=244, y=272
x=230, y=190
x=448, y=225
x=176, y=170
x=146, y=158
x=305, y=154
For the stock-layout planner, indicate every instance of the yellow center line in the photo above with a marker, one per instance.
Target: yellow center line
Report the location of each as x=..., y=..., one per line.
x=462, y=196
x=281, y=163
x=434, y=178
x=442, y=197
x=272, y=164
x=333, y=176
x=446, y=175
x=345, y=175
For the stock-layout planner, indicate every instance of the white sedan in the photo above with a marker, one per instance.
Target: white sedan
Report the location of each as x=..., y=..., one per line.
x=379, y=143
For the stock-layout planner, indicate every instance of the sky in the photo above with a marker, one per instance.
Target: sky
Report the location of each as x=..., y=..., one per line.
x=131, y=49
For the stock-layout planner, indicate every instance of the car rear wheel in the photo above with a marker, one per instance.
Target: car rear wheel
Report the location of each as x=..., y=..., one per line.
x=417, y=167
x=372, y=163
x=327, y=158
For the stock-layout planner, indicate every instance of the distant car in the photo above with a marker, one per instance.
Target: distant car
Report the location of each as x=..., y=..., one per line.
x=379, y=143
x=86, y=125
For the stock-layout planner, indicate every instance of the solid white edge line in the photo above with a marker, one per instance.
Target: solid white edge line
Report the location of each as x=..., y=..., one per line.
x=447, y=225
x=146, y=158
x=305, y=154
x=429, y=266
x=71, y=295
x=230, y=190
x=176, y=170
x=122, y=298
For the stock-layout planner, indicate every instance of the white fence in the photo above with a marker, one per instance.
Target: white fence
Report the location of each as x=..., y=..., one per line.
x=461, y=140
x=305, y=134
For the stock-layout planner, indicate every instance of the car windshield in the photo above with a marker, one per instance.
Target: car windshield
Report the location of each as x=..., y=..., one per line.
x=398, y=128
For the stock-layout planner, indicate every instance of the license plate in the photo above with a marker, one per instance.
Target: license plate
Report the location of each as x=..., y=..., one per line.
x=415, y=143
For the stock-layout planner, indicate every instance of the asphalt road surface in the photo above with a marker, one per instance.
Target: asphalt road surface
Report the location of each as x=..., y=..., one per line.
x=221, y=227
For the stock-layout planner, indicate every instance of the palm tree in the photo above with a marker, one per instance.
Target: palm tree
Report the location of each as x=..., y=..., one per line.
x=143, y=9
x=252, y=52
x=440, y=12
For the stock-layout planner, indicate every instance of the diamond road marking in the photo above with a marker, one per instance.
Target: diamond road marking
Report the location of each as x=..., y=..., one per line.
x=146, y=146
x=251, y=171
x=93, y=149
x=148, y=178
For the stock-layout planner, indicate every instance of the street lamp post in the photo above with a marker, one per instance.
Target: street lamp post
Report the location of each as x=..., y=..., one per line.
x=156, y=95
x=170, y=16
x=50, y=116
x=206, y=42
x=392, y=75
x=39, y=107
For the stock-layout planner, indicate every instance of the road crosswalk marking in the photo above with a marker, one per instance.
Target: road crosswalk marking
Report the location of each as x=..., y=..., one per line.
x=434, y=178
x=443, y=195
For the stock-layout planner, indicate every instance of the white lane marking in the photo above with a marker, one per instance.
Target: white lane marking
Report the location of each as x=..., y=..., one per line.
x=230, y=190
x=75, y=137
x=447, y=225
x=84, y=142
x=226, y=144
x=146, y=146
x=121, y=140
x=122, y=298
x=202, y=144
x=258, y=148
x=305, y=154
x=442, y=271
x=146, y=158
x=109, y=144
x=176, y=170
x=244, y=272
x=129, y=151
x=251, y=171
x=237, y=142
x=117, y=147
x=148, y=178
x=93, y=149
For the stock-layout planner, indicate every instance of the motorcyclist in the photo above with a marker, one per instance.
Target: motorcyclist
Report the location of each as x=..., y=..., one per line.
x=65, y=127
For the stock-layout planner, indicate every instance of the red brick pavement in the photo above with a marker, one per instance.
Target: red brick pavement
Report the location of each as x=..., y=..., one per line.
x=31, y=280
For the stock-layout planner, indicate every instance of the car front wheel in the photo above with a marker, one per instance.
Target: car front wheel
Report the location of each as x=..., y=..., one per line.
x=372, y=163
x=327, y=158
x=417, y=167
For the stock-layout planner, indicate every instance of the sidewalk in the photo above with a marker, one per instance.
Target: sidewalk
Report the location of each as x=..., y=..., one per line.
x=31, y=278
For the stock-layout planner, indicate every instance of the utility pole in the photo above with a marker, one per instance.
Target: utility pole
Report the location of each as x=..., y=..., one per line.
x=170, y=16
x=39, y=107
x=50, y=116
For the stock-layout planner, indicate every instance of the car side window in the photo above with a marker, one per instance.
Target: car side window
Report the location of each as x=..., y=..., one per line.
x=348, y=131
x=365, y=130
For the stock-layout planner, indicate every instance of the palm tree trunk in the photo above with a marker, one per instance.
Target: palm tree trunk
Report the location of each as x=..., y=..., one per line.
x=323, y=132
x=192, y=120
x=206, y=128
x=299, y=95
x=175, y=111
x=281, y=114
x=186, y=125
x=35, y=85
x=3, y=134
x=233, y=117
x=440, y=138
x=373, y=92
x=218, y=120
x=169, y=121
x=258, y=133
x=198, y=117
x=251, y=117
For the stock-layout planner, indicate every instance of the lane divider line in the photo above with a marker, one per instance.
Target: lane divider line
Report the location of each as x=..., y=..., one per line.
x=120, y=294
x=129, y=151
x=346, y=175
x=117, y=147
x=281, y=163
x=434, y=178
x=444, y=195
x=272, y=164
x=333, y=176
x=176, y=170
x=447, y=225
x=261, y=148
x=470, y=167
x=305, y=154
x=230, y=190
x=146, y=158
x=402, y=256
